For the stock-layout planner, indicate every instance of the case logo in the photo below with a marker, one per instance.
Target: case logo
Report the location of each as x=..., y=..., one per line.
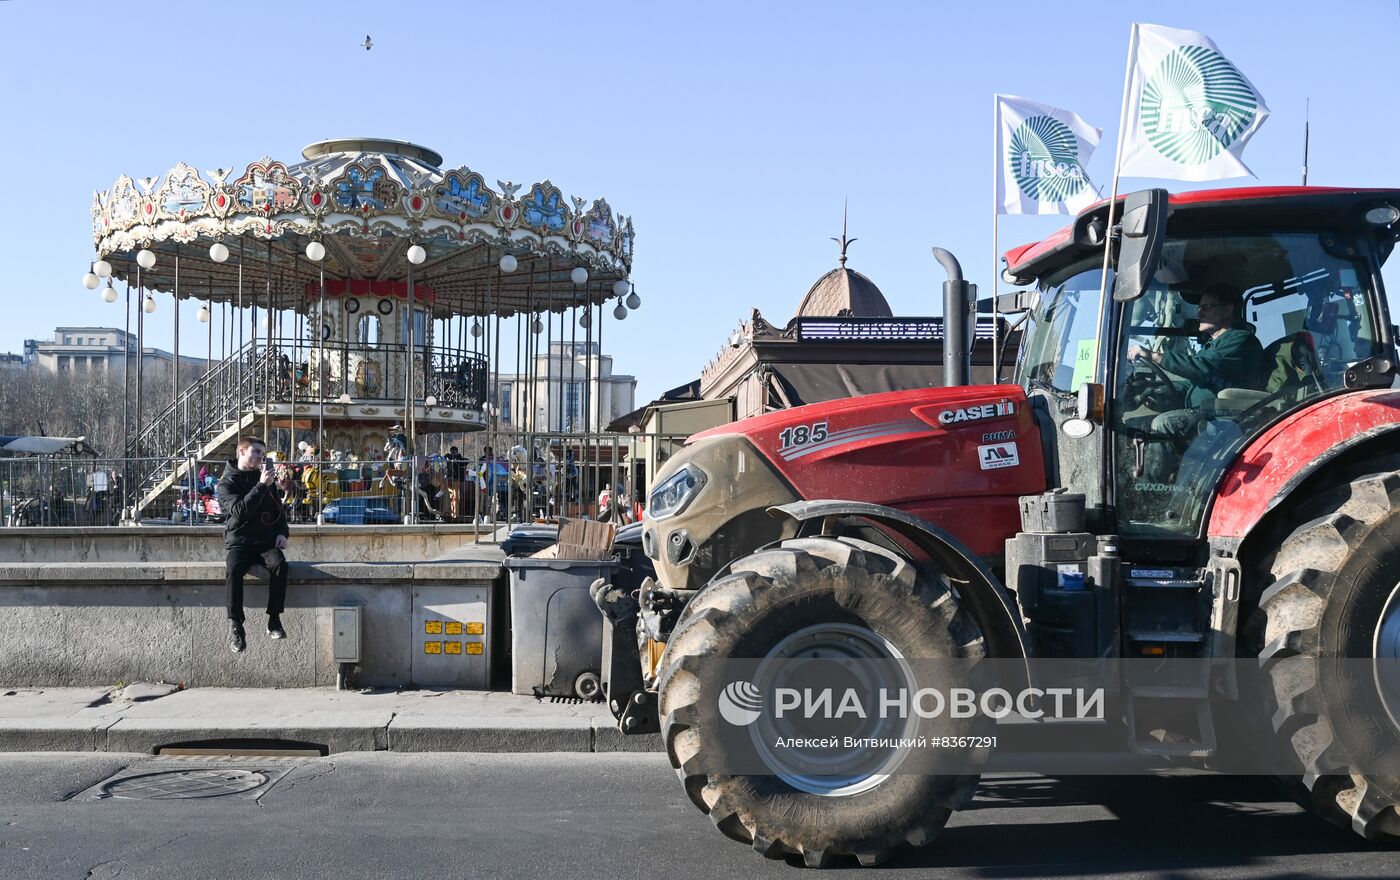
x=973, y=413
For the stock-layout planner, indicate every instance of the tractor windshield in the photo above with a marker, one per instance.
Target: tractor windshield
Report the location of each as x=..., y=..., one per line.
x=1234, y=331
x=1062, y=337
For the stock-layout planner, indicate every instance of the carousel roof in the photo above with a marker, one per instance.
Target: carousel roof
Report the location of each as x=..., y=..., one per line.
x=367, y=201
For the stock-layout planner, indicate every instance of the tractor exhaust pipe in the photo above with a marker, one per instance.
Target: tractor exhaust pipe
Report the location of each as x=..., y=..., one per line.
x=959, y=298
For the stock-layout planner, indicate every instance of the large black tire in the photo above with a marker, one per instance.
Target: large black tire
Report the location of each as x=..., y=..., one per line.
x=801, y=585
x=1326, y=586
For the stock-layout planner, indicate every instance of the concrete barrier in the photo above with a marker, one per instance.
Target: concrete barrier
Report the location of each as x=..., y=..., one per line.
x=205, y=543
x=99, y=623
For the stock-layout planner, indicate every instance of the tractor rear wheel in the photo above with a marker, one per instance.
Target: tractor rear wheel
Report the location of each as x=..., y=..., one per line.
x=813, y=597
x=1326, y=628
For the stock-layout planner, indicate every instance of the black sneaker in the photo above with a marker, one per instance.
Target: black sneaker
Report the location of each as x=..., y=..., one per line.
x=274, y=628
x=237, y=642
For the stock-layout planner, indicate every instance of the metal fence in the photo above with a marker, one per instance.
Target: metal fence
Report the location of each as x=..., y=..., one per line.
x=501, y=480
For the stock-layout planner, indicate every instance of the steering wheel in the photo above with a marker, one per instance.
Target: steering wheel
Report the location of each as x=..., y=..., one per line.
x=1151, y=386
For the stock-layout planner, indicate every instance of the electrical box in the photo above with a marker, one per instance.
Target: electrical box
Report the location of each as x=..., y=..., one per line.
x=345, y=634
x=452, y=636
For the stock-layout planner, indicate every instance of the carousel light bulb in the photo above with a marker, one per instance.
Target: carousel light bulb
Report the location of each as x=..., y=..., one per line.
x=218, y=252
x=203, y=314
x=508, y=263
x=536, y=326
x=579, y=275
x=476, y=328
x=102, y=268
x=344, y=398
x=620, y=288
x=315, y=251
x=416, y=255
x=146, y=259
x=634, y=302
x=149, y=306
x=620, y=312
x=109, y=294
x=430, y=401
x=90, y=281
x=587, y=319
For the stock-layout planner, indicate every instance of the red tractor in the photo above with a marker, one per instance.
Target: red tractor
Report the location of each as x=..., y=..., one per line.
x=1196, y=466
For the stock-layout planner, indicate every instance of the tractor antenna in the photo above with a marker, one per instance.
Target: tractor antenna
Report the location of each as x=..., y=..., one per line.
x=1307, y=112
x=843, y=240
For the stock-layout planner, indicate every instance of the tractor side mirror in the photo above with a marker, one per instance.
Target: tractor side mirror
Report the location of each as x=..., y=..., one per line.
x=1018, y=301
x=1143, y=229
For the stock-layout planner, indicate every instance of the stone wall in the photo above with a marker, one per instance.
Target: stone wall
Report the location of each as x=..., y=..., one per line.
x=101, y=623
x=205, y=543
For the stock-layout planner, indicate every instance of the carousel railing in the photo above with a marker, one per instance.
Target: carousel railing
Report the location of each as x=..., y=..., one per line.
x=291, y=371
x=503, y=479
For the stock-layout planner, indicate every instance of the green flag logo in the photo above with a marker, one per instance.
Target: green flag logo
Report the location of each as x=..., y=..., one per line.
x=1044, y=159
x=1195, y=105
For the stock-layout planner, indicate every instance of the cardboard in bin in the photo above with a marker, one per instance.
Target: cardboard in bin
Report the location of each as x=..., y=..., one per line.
x=581, y=539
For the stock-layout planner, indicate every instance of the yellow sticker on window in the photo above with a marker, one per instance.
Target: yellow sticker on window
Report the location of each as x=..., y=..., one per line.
x=453, y=647
x=474, y=647
x=432, y=647
x=476, y=629
x=454, y=628
x=1084, y=363
x=432, y=627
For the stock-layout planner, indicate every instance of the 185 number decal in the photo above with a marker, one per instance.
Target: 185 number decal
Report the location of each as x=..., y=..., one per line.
x=801, y=435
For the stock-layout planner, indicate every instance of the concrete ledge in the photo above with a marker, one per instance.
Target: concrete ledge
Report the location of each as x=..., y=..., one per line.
x=110, y=573
x=53, y=735
x=97, y=623
x=205, y=543
x=427, y=734
x=352, y=732
x=72, y=720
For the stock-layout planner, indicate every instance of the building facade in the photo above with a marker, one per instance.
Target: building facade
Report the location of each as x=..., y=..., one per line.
x=96, y=349
x=571, y=389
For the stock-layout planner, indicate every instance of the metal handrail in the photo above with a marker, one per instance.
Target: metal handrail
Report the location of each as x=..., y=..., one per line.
x=265, y=371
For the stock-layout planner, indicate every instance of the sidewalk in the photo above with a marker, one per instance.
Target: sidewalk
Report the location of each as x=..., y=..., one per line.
x=142, y=718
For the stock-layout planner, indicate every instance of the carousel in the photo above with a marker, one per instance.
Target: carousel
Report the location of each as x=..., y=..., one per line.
x=359, y=295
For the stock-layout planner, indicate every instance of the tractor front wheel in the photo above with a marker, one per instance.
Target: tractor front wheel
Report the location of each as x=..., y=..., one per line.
x=833, y=599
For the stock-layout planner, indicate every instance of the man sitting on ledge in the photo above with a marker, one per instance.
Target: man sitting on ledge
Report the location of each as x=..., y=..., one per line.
x=255, y=533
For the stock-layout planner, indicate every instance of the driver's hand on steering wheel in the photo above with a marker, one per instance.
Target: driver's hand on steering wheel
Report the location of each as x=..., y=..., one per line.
x=1138, y=353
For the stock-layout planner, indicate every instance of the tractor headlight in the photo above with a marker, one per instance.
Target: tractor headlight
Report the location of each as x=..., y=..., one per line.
x=672, y=496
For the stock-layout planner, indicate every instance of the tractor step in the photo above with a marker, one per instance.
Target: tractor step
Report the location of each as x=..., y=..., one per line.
x=1178, y=636
x=1171, y=721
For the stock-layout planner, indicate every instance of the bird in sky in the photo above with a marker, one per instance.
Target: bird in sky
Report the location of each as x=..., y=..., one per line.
x=368, y=43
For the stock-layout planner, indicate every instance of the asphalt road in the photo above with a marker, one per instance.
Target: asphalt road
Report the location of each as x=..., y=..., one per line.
x=378, y=815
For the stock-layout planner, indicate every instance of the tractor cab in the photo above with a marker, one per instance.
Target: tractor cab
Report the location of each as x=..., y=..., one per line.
x=1229, y=310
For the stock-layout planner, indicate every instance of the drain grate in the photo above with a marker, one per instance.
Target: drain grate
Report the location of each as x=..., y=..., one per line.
x=184, y=784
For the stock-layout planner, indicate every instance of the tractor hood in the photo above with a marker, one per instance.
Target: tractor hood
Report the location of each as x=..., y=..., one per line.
x=958, y=457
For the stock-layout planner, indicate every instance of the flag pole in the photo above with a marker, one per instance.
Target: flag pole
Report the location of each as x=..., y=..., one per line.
x=1113, y=197
x=996, y=215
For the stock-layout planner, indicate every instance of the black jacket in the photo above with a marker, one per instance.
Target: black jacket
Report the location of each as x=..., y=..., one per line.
x=254, y=511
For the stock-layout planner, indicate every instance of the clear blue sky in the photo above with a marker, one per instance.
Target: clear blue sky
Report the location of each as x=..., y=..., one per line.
x=731, y=131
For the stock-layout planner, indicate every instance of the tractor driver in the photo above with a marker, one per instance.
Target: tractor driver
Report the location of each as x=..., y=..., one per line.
x=1230, y=356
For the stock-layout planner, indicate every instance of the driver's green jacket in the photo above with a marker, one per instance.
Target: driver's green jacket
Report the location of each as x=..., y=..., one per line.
x=1234, y=359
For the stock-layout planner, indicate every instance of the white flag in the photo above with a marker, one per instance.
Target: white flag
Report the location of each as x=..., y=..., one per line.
x=1042, y=152
x=1190, y=111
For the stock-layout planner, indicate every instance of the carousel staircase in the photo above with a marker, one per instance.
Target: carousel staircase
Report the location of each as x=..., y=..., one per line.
x=202, y=424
